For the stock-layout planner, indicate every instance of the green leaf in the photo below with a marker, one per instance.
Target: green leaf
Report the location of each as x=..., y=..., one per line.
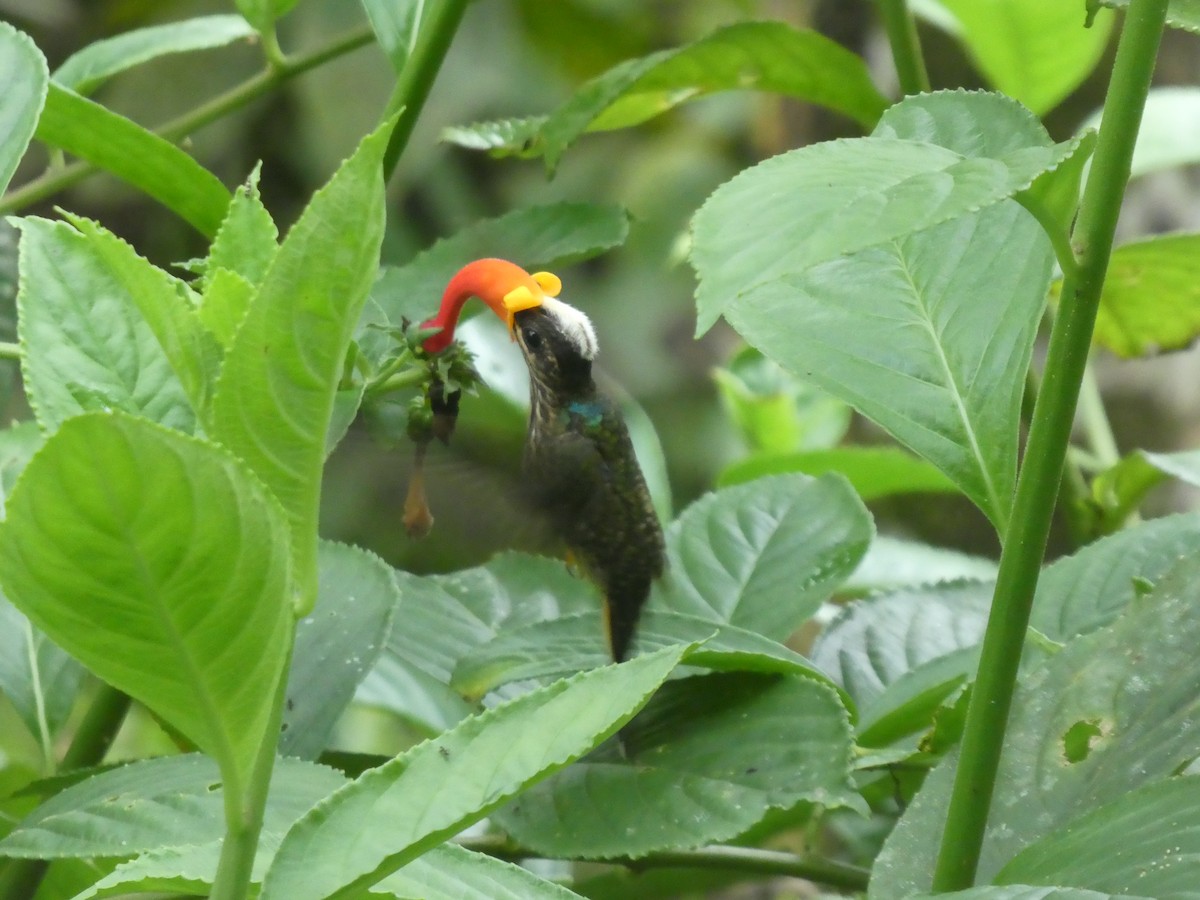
x=873, y=472
x=1033, y=51
x=544, y=651
x=262, y=14
x=560, y=234
x=1169, y=134
x=23, y=73
x=137, y=156
x=762, y=556
x=1024, y=892
x=1081, y=593
x=1183, y=14
x=1150, y=302
x=391, y=814
x=502, y=137
x=336, y=644
x=90, y=67
x=227, y=296
x=1113, y=710
x=85, y=344
x=706, y=759
x=1147, y=841
x=894, y=562
x=247, y=241
x=152, y=804
x=874, y=645
x=275, y=394
x=450, y=872
x=182, y=558
x=767, y=56
x=38, y=678
x=165, y=304
x=396, y=24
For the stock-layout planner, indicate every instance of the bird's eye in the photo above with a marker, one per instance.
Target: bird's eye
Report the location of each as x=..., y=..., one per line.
x=532, y=339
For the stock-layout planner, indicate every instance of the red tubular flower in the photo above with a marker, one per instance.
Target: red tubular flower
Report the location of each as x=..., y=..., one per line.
x=506, y=288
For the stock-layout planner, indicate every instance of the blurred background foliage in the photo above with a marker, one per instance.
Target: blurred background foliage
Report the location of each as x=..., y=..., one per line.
x=524, y=57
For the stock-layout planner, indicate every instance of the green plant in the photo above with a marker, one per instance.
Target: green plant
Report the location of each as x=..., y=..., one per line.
x=161, y=523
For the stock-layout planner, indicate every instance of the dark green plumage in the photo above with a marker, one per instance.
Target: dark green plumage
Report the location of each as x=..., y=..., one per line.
x=579, y=468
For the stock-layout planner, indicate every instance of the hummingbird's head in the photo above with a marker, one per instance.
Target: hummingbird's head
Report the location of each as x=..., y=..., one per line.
x=506, y=288
x=558, y=343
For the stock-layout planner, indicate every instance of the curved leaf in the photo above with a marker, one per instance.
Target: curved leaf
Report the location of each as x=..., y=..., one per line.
x=450, y=872
x=873, y=472
x=706, y=759
x=390, y=815
x=160, y=563
x=762, y=556
x=275, y=394
x=23, y=73
x=137, y=156
x=87, y=69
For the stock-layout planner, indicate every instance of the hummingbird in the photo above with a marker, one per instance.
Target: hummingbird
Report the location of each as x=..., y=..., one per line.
x=578, y=467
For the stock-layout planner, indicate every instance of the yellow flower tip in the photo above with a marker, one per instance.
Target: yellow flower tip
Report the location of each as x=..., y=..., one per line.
x=550, y=283
x=518, y=299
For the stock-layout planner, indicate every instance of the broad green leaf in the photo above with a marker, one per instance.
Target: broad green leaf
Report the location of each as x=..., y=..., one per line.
x=767, y=56
x=534, y=237
x=929, y=336
x=1024, y=892
x=153, y=804
x=90, y=67
x=392, y=814
x=1183, y=14
x=443, y=618
x=86, y=345
x=1169, y=133
x=137, y=156
x=336, y=644
x=247, y=241
x=895, y=563
x=1150, y=302
x=1145, y=842
x=24, y=76
x=396, y=24
x=874, y=643
x=165, y=304
x=39, y=679
x=1081, y=593
x=873, y=472
x=1034, y=51
x=560, y=647
x=181, y=557
x=262, y=14
x=275, y=394
x=706, y=759
x=450, y=872
x=1112, y=711
x=762, y=556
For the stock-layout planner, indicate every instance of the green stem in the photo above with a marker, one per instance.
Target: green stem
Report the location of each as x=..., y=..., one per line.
x=1037, y=487
x=386, y=381
x=730, y=859
x=51, y=183
x=244, y=807
x=906, y=47
x=418, y=75
x=97, y=730
x=1101, y=441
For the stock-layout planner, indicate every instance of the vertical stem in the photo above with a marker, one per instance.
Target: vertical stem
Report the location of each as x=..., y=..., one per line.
x=1037, y=487
x=412, y=88
x=97, y=730
x=244, y=805
x=906, y=48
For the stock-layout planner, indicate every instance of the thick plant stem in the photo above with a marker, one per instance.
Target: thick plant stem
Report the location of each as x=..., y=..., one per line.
x=906, y=48
x=1037, y=487
x=235, y=98
x=413, y=86
x=244, y=805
